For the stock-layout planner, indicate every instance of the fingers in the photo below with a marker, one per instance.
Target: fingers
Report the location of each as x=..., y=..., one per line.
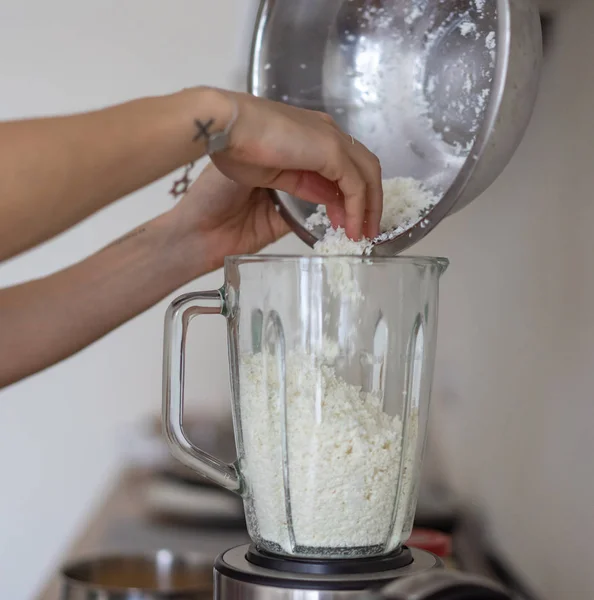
x=336, y=215
x=349, y=203
x=360, y=182
x=358, y=174
x=371, y=171
x=308, y=186
x=284, y=146
x=354, y=189
x=314, y=188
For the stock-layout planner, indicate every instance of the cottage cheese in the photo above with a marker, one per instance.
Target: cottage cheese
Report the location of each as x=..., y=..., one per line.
x=344, y=460
x=406, y=201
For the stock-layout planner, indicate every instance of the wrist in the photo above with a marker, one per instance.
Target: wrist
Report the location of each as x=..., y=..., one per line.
x=210, y=112
x=182, y=251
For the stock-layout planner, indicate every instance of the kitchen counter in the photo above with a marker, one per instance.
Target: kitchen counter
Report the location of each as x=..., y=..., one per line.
x=122, y=525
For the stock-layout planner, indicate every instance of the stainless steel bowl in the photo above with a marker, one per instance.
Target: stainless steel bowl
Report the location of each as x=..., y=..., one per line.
x=153, y=577
x=441, y=91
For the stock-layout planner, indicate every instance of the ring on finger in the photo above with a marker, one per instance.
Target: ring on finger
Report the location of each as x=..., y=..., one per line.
x=352, y=140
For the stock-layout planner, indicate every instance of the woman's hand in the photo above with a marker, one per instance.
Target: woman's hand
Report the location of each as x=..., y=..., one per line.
x=272, y=145
x=219, y=217
x=303, y=153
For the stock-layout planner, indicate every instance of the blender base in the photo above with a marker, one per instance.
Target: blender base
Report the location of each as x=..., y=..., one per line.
x=236, y=577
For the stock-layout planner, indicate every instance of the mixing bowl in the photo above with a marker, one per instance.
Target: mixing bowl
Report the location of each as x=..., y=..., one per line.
x=442, y=91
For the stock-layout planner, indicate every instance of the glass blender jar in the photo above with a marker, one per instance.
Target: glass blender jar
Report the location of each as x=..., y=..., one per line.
x=331, y=363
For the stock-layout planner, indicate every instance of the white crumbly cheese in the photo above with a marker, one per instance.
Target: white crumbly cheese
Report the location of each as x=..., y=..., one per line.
x=413, y=14
x=467, y=27
x=343, y=456
x=406, y=201
x=335, y=241
x=491, y=44
x=318, y=219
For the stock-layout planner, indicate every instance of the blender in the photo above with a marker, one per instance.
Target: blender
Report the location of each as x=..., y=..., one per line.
x=331, y=362
x=331, y=358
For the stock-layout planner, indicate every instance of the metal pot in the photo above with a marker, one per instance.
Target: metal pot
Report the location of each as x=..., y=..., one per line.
x=153, y=577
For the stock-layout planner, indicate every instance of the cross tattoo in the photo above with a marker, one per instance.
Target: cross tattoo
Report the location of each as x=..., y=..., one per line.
x=203, y=129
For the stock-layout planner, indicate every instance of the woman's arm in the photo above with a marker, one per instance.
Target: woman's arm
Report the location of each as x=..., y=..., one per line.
x=54, y=172
x=47, y=320
x=44, y=321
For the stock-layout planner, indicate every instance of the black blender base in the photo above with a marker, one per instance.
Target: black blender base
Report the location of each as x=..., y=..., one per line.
x=237, y=575
x=307, y=566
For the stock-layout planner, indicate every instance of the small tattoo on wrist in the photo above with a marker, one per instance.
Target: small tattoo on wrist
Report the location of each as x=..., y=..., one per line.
x=128, y=236
x=202, y=129
x=180, y=186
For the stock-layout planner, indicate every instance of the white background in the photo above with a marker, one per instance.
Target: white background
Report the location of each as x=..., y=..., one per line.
x=514, y=406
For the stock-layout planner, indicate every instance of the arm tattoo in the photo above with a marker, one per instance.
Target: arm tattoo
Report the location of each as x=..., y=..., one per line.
x=128, y=236
x=180, y=186
x=202, y=129
x=215, y=142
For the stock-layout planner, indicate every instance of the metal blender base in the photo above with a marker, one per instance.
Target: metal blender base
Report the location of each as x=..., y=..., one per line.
x=237, y=578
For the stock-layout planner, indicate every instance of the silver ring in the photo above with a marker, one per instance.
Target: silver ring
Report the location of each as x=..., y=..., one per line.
x=352, y=140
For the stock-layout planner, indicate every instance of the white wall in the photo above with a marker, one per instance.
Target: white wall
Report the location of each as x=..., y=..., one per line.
x=513, y=400
x=514, y=393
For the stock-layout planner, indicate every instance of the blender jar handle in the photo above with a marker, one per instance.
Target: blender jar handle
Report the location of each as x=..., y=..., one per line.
x=179, y=314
